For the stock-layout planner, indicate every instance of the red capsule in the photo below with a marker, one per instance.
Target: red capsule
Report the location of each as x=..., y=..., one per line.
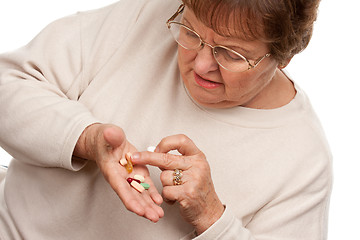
x=132, y=179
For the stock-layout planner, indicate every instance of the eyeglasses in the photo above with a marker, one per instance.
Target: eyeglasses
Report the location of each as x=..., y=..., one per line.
x=224, y=56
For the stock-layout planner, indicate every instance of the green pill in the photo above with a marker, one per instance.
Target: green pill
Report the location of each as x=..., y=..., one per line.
x=145, y=185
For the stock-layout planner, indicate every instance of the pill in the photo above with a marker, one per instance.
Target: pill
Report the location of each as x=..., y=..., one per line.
x=132, y=179
x=151, y=148
x=145, y=185
x=139, y=177
x=123, y=162
x=137, y=186
x=128, y=166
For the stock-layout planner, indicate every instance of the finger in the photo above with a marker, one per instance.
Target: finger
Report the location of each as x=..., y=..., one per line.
x=154, y=194
x=114, y=136
x=166, y=178
x=143, y=171
x=172, y=193
x=180, y=142
x=161, y=160
x=170, y=202
x=150, y=199
x=125, y=192
x=159, y=210
x=150, y=212
x=139, y=203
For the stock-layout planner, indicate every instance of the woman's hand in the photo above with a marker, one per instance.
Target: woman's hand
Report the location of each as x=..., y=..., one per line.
x=200, y=205
x=106, y=144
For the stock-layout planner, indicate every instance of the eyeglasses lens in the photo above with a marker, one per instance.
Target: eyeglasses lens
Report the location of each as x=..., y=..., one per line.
x=190, y=40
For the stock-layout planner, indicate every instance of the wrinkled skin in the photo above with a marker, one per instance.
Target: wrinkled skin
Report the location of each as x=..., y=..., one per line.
x=106, y=144
x=199, y=203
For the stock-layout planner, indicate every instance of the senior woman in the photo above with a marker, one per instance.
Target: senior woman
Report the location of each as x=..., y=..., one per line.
x=252, y=161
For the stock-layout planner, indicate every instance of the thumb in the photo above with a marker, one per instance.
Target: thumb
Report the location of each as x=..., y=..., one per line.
x=114, y=136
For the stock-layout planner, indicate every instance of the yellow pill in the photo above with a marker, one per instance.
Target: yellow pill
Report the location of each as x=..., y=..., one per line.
x=129, y=165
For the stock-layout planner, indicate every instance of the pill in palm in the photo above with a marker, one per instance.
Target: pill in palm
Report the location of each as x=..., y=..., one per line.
x=123, y=162
x=137, y=186
x=139, y=177
x=145, y=185
x=129, y=180
x=128, y=166
x=151, y=149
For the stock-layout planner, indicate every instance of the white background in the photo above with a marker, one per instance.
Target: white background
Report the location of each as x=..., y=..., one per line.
x=328, y=70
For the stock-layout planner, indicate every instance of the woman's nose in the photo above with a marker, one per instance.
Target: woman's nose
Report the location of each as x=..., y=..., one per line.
x=205, y=61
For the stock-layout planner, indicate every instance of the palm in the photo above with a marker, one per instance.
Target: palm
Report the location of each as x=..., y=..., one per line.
x=144, y=204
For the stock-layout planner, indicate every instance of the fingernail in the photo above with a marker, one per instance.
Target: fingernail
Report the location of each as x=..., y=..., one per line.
x=156, y=149
x=135, y=156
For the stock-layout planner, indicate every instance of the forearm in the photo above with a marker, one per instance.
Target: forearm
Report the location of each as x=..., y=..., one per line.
x=40, y=85
x=39, y=127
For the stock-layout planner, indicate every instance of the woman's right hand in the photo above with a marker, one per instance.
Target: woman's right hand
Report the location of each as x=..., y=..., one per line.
x=106, y=144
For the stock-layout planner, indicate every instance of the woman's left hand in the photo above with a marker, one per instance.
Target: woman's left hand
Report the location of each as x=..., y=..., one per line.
x=200, y=205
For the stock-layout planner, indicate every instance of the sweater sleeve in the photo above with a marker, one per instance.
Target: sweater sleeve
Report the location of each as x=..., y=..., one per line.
x=227, y=227
x=298, y=211
x=40, y=84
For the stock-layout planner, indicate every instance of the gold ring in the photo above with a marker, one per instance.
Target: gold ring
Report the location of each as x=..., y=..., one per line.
x=177, y=177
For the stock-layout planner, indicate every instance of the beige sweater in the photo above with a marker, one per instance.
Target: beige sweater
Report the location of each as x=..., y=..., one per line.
x=118, y=64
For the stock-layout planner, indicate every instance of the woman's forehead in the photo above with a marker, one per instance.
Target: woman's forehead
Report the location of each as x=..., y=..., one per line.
x=224, y=34
x=232, y=26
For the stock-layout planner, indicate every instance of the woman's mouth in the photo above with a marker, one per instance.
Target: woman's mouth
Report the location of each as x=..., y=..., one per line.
x=205, y=83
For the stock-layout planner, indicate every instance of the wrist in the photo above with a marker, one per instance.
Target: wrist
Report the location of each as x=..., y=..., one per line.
x=85, y=145
x=213, y=214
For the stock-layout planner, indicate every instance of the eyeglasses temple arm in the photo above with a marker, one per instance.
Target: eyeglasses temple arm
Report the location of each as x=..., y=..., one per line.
x=259, y=60
x=180, y=9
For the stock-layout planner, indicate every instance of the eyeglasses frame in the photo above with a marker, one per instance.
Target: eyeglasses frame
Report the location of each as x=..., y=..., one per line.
x=203, y=43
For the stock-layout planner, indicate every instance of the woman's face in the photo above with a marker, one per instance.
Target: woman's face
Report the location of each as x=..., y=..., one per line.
x=212, y=86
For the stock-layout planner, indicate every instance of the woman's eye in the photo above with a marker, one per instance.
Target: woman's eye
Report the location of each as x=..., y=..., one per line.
x=232, y=56
x=191, y=34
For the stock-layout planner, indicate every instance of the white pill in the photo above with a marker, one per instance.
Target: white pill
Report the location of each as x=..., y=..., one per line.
x=139, y=177
x=151, y=148
x=123, y=161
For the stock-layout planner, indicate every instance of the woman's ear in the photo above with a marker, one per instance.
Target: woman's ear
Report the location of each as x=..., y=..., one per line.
x=284, y=63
